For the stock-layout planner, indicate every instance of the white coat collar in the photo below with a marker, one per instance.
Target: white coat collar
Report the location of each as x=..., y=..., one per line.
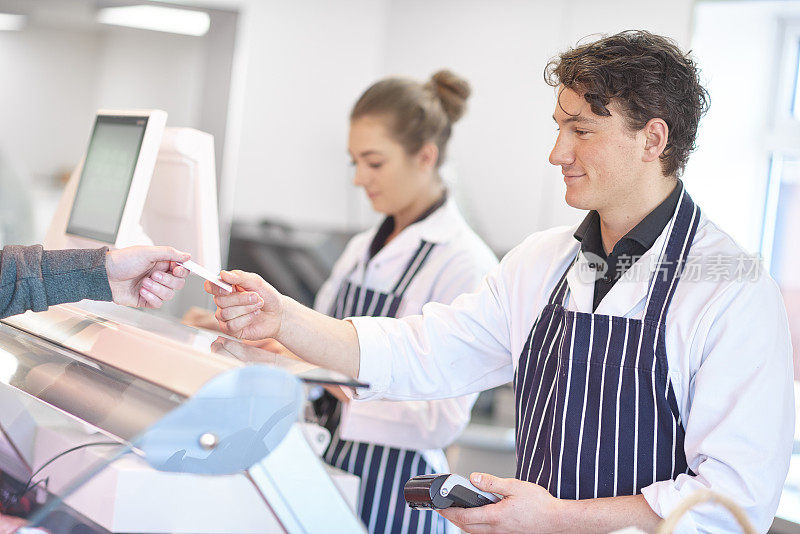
x=627, y=296
x=439, y=227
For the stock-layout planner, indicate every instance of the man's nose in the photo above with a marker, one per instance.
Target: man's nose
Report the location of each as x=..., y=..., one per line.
x=562, y=153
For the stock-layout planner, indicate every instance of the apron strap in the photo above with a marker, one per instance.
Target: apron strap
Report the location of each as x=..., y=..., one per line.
x=673, y=259
x=413, y=267
x=670, y=264
x=559, y=293
x=326, y=407
x=337, y=307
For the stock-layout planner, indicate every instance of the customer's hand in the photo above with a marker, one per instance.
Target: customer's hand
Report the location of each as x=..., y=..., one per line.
x=145, y=277
x=253, y=311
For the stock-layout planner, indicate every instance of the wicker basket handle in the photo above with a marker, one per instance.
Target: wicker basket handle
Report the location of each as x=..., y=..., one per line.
x=668, y=525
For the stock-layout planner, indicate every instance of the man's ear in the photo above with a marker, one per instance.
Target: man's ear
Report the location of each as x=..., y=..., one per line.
x=656, y=133
x=428, y=156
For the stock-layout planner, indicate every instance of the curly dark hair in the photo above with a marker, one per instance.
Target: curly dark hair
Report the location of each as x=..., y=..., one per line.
x=648, y=76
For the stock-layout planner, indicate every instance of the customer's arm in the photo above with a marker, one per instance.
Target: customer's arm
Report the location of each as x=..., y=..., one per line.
x=32, y=278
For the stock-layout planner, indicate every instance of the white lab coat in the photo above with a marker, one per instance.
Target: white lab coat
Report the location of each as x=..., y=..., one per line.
x=728, y=351
x=456, y=265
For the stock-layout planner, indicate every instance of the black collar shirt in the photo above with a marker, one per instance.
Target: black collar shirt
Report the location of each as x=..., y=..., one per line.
x=387, y=227
x=630, y=248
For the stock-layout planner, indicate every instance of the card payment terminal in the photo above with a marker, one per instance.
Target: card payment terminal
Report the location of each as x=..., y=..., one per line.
x=439, y=491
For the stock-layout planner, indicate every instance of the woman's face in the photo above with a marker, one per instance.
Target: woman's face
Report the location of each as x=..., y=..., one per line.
x=392, y=179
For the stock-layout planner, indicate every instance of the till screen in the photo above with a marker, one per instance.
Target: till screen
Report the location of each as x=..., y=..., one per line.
x=106, y=177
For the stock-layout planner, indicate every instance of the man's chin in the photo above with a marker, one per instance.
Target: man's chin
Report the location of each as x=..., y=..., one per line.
x=575, y=199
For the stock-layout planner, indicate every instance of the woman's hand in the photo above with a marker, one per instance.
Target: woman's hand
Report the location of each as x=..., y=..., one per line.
x=253, y=311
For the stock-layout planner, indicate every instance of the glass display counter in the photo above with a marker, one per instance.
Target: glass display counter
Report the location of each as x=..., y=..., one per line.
x=81, y=383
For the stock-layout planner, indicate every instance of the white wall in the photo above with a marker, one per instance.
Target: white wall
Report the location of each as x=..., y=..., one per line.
x=46, y=105
x=499, y=150
x=54, y=80
x=153, y=70
x=46, y=97
x=306, y=62
x=219, y=49
x=305, y=68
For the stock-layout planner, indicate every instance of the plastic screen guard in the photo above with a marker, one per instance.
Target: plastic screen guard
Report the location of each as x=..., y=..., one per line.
x=233, y=422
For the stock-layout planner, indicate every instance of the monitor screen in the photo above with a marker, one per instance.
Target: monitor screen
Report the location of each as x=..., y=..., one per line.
x=106, y=177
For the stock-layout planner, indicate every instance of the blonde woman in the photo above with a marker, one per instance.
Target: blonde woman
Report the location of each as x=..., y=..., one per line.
x=422, y=252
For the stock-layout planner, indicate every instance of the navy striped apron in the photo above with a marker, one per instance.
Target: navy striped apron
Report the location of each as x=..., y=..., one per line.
x=596, y=413
x=383, y=470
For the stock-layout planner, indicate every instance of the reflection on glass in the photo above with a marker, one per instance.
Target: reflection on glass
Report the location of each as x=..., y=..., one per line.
x=170, y=355
x=256, y=354
x=116, y=403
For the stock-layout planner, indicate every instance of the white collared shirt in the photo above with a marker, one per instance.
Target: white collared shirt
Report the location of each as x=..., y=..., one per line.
x=728, y=352
x=456, y=265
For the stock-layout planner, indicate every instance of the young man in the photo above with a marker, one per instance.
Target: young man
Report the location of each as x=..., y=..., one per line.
x=666, y=371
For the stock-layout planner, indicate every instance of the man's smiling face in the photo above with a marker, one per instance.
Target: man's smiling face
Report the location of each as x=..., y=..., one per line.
x=600, y=157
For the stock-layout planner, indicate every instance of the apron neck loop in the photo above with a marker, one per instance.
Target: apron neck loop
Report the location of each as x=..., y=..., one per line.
x=559, y=294
x=673, y=259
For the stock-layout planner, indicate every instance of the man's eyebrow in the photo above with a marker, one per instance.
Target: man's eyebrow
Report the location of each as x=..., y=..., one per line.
x=577, y=118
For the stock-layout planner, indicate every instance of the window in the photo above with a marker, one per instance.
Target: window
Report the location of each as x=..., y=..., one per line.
x=746, y=173
x=796, y=99
x=781, y=232
x=779, y=249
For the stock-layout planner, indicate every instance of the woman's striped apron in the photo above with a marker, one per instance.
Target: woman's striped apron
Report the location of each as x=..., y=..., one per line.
x=383, y=470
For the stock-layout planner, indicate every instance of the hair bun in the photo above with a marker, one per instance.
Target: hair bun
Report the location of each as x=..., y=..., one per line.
x=453, y=92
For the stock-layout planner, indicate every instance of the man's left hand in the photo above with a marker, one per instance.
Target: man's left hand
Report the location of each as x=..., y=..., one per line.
x=145, y=277
x=525, y=508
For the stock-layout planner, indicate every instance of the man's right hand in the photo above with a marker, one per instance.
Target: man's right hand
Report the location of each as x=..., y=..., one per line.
x=253, y=311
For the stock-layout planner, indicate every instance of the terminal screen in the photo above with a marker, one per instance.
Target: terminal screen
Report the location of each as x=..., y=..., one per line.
x=106, y=177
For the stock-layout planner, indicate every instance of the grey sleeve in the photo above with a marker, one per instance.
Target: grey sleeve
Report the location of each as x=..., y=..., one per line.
x=32, y=278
